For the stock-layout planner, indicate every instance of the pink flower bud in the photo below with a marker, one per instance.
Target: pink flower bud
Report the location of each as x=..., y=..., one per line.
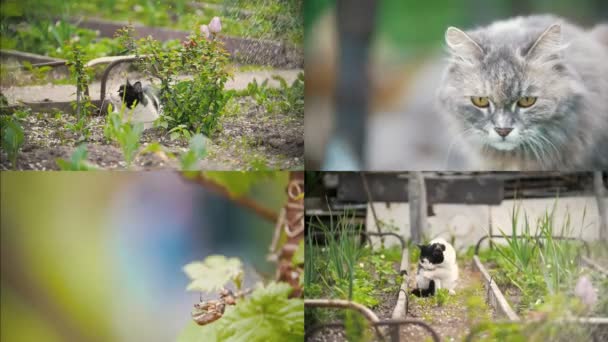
x=215, y=26
x=205, y=31
x=585, y=291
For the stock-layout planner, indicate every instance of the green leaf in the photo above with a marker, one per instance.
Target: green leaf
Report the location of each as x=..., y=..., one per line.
x=213, y=273
x=77, y=162
x=196, y=333
x=197, y=151
x=267, y=315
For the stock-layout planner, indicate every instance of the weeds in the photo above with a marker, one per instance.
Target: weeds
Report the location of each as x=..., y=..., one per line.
x=198, y=150
x=39, y=75
x=126, y=134
x=285, y=98
x=537, y=261
x=77, y=162
x=344, y=269
x=13, y=136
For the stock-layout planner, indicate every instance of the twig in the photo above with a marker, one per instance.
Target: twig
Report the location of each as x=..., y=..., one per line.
x=245, y=202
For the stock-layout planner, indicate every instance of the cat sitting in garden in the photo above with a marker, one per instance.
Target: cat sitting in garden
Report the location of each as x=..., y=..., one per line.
x=437, y=268
x=142, y=103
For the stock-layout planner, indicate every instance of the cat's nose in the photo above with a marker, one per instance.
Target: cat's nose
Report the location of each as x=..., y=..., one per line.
x=503, y=132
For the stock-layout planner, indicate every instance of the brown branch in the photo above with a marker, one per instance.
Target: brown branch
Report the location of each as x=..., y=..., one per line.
x=245, y=202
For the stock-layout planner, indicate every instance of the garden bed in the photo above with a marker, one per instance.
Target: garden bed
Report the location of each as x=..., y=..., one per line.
x=552, y=312
x=450, y=316
x=249, y=139
x=376, y=281
x=256, y=132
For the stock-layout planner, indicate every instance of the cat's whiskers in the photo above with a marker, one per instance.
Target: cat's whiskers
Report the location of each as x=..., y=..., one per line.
x=536, y=148
x=557, y=154
x=454, y=141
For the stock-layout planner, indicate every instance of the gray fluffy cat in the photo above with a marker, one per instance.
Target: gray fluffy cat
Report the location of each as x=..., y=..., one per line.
x=529, y=93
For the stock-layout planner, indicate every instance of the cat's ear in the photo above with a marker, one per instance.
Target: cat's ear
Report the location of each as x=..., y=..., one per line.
x=137, y=87
x=462, y=45
x=442, y=246
x=549, y=43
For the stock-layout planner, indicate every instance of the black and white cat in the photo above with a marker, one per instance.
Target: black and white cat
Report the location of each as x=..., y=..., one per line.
x=437, y=268
x=142, y=103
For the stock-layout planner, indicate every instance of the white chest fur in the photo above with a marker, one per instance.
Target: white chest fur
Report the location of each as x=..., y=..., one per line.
x=444, y=275
x=141, y=113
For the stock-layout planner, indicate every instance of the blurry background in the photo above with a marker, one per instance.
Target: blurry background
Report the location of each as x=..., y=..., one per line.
x=99, y=256
x=404, y=66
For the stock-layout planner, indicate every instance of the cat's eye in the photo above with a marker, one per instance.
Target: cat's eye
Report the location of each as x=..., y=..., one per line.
x=526, y=101
x=480, y=101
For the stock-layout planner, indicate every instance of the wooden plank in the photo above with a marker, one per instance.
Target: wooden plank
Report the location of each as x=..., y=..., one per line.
x=393, y=187
x=417, y=198
x=495, y=297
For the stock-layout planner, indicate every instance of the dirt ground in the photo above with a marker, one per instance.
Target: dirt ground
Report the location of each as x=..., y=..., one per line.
x=251, y=138
x=452, y=319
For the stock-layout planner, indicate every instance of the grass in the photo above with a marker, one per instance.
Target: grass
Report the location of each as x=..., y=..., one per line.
x=534, y=261
x=538, y=272
x=343, y=268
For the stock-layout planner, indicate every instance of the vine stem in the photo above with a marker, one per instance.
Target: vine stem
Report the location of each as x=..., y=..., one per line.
x=245, y=202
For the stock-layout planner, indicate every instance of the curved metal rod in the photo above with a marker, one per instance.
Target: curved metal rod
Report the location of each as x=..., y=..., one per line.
x=585, y=244
x=401, y=239
x=390, y=322
x=106, y=75
x=345, y=304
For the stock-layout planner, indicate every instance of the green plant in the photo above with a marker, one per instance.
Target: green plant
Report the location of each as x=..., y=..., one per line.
x=521, y=248
x=257, y=162
x=195, y=153
x=195, y=104
x=441, y=297
x=213, y=273
x=538, y=264
x=81, y=76
x=39, y=74
x=342, y=268
x=80, y=127
x=13, y=137
x=267, y=314
x=282, y=99
x=126, y=134
x=356, y=326
x=77, y=162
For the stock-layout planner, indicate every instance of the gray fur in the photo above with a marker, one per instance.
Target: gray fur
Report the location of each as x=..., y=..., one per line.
x=562, y=65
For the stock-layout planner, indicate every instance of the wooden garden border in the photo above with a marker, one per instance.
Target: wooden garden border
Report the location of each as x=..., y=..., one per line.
x=499, y=302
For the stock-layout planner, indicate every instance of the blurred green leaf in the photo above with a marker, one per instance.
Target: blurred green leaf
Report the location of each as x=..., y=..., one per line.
x=213, y=273
x=197, y=151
